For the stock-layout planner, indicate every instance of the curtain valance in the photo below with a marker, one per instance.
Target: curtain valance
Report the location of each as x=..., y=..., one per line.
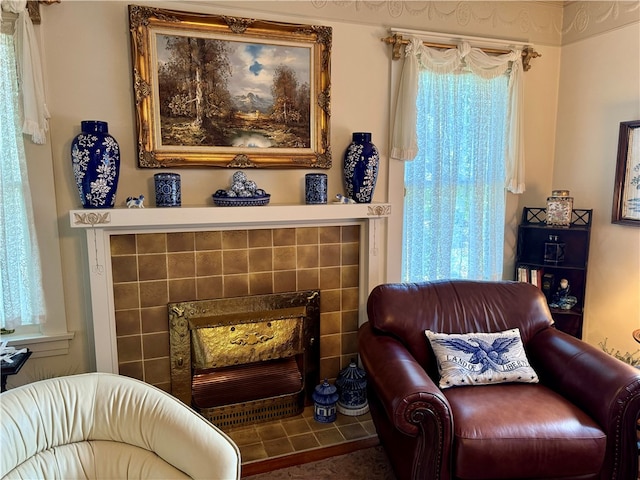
x=464, y=58
x=35, y=114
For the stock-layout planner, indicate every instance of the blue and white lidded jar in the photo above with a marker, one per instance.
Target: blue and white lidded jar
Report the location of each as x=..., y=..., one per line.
x=168, y=191
x=352, y=389
x=360, y=168
x=325, y=397
x=315, y=188
x=559, y=208
x=95, y=156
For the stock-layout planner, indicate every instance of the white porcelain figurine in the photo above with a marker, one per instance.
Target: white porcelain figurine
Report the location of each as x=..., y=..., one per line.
x=135, y=202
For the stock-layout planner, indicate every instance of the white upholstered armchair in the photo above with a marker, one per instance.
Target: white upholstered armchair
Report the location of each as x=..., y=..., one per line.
x=105, y=426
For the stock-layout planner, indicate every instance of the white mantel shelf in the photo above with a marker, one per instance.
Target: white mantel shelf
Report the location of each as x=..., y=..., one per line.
x=100, y=224
x=194, y=217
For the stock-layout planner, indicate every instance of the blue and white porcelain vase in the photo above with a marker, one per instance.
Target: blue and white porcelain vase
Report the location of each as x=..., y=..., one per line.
x=360, y=168
x=96, y=164
x=352, y=390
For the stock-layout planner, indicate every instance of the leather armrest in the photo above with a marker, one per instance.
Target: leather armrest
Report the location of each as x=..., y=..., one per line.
x=407, y=393
x=604, y=387
x=592, y=379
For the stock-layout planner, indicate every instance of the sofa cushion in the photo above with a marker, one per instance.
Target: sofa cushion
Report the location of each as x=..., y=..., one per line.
x=484, y=448
x=96, y=460
x=481, y=358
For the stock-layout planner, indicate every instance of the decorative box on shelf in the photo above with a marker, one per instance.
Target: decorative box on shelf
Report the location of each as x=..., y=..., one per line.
x=559, y=208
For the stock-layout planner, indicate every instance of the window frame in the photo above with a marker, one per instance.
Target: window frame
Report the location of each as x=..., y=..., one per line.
x=52, y=337
x=396, y=193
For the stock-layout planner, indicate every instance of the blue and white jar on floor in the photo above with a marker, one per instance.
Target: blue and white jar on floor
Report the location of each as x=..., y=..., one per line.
x=360, y=168
x=96, y=164
x=352, y=391
x=325, y=398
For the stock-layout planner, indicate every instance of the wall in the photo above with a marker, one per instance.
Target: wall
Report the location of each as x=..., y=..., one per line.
x=88, y=74
x=599, y=88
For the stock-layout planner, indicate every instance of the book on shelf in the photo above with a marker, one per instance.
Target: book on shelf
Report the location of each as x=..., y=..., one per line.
x=536, y=277
x=532, y=275
x=523, y=274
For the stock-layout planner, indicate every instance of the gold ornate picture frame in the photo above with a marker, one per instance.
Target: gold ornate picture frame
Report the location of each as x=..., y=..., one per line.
x=219, y=91
x=626, y=191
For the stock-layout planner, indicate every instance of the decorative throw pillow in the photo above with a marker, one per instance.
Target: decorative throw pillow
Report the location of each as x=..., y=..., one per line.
x=481, y=358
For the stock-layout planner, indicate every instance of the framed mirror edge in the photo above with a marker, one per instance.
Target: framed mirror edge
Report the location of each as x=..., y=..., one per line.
x=628, y=164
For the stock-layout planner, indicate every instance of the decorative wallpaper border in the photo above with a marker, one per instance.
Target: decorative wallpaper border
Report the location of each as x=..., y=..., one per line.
x=587, y=19
x=552, y=23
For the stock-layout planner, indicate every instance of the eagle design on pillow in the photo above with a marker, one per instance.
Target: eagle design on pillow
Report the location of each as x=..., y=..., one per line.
x=488, y=356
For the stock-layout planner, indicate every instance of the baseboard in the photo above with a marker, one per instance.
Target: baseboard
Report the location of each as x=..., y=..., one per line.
x=262, y=466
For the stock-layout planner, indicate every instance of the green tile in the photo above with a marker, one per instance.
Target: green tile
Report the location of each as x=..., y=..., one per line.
x=306, y=441
x=369, y=427
x=353, y=431
x=271, y=431
x=345, y=420
x=250, y=453
x=329, y=437
x=244, y=436
x=315, y=426
x=296, y=427
x=280, y=446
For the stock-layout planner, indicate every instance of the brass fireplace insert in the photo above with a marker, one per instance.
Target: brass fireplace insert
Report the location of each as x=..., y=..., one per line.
x=246, y=359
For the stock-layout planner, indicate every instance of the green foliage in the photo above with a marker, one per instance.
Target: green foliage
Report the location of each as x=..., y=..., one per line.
x=632, y=359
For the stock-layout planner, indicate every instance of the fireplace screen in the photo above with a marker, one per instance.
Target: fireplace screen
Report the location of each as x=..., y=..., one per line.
x=246, y=359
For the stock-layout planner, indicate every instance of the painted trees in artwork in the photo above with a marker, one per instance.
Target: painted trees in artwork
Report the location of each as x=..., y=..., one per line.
x=197, y=107
x=193, y=83
x=285, y=85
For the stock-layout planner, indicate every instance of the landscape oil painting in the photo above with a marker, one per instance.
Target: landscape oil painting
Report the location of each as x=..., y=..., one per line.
x=233, y=94
x=229, y=92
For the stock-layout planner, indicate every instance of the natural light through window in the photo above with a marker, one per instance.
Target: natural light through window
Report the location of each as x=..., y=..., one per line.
x=21, y=295
x=454, y=209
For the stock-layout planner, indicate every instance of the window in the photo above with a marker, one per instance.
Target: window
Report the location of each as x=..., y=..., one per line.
x=457, y=127
x=454, y=207
x=23, y=131
x=21, y=294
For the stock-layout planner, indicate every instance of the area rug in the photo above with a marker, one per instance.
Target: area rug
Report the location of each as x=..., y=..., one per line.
x=366, y=464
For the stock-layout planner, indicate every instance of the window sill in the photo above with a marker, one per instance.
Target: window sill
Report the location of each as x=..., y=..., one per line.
x=41, y=344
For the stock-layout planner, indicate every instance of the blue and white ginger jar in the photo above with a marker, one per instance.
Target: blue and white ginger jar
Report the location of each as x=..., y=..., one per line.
x=325, y=396
x=360, y=168
x=96, y=164
x=352, y=391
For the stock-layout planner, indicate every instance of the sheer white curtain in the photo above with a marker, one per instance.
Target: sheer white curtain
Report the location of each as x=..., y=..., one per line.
x=21, y=295
x=455, y=118
x=419, y=57
x=34, y=114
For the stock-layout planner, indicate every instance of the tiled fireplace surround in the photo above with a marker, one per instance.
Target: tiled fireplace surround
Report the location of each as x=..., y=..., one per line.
x=153, y=269
x=140, y=260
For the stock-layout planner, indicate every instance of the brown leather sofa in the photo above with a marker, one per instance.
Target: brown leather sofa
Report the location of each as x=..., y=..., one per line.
x=578, y=422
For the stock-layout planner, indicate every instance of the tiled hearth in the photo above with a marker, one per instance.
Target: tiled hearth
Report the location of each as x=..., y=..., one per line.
x=265, y=441
x=296, y=440
x=152, y=269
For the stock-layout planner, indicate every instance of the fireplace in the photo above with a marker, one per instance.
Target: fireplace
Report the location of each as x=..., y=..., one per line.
x=139, y=260
x=246, y=359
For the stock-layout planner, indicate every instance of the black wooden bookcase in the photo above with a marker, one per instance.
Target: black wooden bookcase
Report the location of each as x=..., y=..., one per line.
x=532, y=266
